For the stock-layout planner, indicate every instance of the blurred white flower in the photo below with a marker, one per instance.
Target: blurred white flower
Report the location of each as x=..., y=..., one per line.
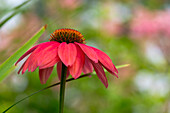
x=154, y=54
x=19, y=83
x=151, y=83
x=13, y=3
x=11, y=24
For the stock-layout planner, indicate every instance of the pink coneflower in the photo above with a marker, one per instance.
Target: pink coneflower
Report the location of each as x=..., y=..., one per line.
x=67, y=47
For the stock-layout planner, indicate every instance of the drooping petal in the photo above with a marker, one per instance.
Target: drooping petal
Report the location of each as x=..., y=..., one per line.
x=27, y=53
x=25, y=66
x=44, y=74
x=49, y=56
x=44, y=54
x=21, y=67
x=113, y=73
x=52, y=63
x=105, y=60
x=100, y=73
x=88, y=67
x=89, y=52
x=59, y=70
x=76, y=68
x=67, y=53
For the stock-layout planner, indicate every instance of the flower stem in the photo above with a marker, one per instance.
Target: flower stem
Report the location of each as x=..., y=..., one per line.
x=68, y=80
x=62, y=88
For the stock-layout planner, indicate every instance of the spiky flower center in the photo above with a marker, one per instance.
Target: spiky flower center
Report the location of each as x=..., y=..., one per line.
x=67, y=35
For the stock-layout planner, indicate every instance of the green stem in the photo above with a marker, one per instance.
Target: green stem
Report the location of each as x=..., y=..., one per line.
x=62, y=88
x=71, y=79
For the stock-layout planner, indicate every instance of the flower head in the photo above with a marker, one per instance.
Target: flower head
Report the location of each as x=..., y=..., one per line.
x=67, y=46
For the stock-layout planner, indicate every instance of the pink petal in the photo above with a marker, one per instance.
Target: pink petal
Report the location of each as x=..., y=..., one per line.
x=44, y=74
x=67, y=53
x=59, y=70
x=100, y=73
x=52, y=63
x=49, y=56
x=27, y=53
x=25, y=66
x=113, y=73
x=31, y=50
x=88, y=67
x=105, y=60
x=68, y=73
x=44, y=54
x=21, y=67
x=76, y=68
x=89, y=52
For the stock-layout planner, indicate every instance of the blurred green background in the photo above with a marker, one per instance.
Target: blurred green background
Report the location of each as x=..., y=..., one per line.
x=130, y=32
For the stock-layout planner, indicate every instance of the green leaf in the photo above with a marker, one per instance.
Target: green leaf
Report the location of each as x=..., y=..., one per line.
x=7, y=66
x=16, y=11
x=19, y=6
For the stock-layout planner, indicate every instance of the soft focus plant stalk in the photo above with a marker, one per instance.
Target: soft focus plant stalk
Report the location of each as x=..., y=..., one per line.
x=71, y=79
x=62, y=88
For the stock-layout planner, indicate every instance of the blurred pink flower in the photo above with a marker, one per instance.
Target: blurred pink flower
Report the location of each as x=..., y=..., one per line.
x=150, y=24
x=163, y=20
x=67, y=46
x=70, y=4
x=143, y=24
x=112, y=27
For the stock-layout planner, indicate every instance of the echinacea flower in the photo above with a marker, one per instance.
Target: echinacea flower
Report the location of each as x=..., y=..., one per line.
x=67, y=46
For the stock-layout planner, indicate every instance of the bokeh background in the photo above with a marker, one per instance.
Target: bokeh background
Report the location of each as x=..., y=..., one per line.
x=135, y=32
